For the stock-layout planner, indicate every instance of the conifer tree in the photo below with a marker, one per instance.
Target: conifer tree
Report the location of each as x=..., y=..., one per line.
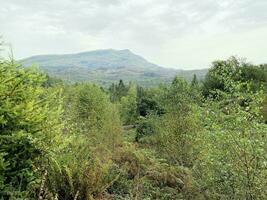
x=29, y=121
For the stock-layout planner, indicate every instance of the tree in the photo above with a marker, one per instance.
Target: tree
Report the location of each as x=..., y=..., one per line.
x=128, y=106
x=117, y=91
x=29, y=122
x=149, y=103
x=217, y=75
x=83, y=166
x=236, y=70
x=194, y=82
x=232, y=158
x=91, y=105
x=179, y=126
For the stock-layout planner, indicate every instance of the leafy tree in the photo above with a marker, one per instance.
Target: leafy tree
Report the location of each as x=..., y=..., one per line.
x=256, y=75
x=146, y=127
x=179, y=125
x=91, y=104
x=236, y=70
x=220, y=70
x=149, y=104
x=128, y=106
x=233, y=150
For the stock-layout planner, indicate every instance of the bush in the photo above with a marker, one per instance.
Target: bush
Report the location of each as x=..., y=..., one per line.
x=145, y=127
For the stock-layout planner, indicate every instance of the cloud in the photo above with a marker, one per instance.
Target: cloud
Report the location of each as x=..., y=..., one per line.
x=169, y=32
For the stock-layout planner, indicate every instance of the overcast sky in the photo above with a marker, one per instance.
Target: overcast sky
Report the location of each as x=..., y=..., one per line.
x=184, y=34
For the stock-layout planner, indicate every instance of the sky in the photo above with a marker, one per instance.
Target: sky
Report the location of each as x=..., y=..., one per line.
x=184, y=34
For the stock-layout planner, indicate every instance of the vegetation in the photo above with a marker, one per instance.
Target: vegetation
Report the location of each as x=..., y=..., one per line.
x=199, y=140
x=105, y=66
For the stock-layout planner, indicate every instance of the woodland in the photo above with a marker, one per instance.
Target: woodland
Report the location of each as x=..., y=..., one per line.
x=198, y=139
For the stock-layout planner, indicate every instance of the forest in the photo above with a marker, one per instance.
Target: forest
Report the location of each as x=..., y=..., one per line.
x=199, y=139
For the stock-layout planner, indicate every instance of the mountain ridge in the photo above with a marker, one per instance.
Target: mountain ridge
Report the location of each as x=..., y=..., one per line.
x=105, y=66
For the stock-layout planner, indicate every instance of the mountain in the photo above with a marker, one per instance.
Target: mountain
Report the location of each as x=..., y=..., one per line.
x=106, y=66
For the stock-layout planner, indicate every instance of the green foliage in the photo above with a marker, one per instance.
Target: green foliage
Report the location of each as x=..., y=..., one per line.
x=80, y=171
x=117, y=91
x=264, y=109
x=52, y=82
x=179, y=126
x=174, y=144
x=234, y=70
x=82, y=165
x=91, y=105
x=144, y=176
x=232, y=159
x=128, y=106
x=146, y=127
x=194, y=82
x=149, y=104
x=220, y=72
x=29, y=122
x=257, y=75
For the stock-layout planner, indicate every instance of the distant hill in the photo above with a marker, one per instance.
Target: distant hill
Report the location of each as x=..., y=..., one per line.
x=106, y=66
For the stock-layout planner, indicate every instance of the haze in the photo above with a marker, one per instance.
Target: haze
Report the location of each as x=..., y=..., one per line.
x=187, y=34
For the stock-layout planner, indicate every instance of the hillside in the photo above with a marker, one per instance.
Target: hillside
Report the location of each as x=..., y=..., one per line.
x=80, y=141
x=106, y=66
